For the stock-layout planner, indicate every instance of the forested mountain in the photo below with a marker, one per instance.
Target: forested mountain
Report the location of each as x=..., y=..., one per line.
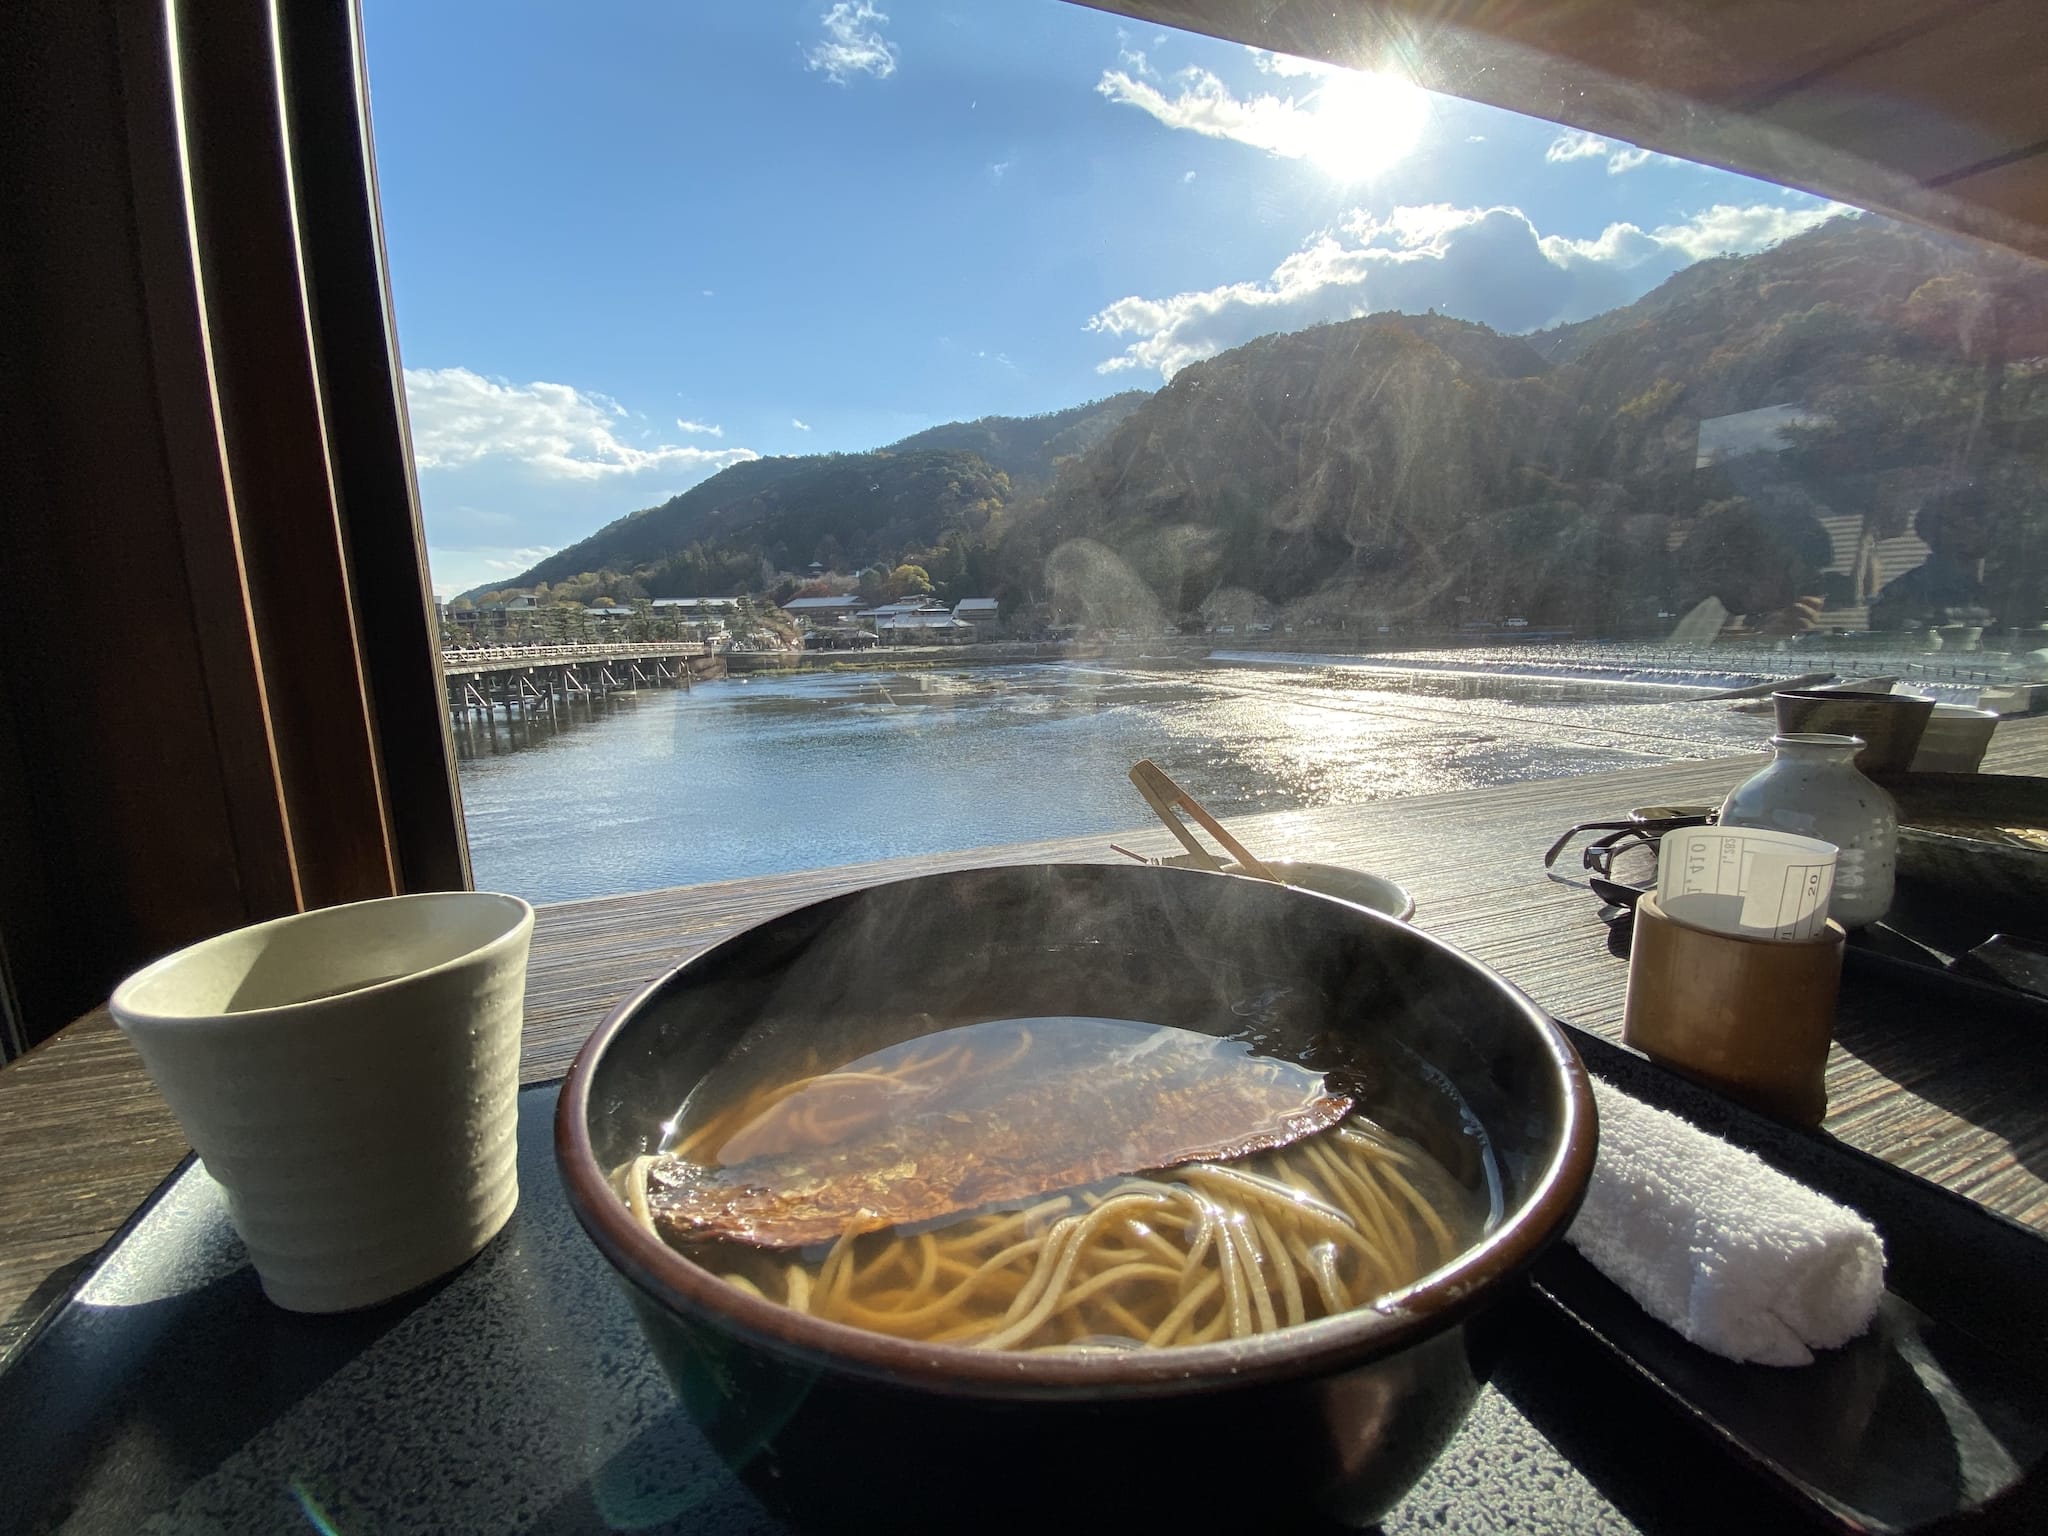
x=736, y=530
x=1425, y=468
x=1564, y=343
x=934, y=490
x=1029, y=448
x=1304, y=458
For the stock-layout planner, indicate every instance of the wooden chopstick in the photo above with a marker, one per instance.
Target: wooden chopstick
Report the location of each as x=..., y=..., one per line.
x=1163, y=809
x=1152, y=780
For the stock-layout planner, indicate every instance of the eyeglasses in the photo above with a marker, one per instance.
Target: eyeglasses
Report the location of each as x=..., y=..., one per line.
x=1617, y=838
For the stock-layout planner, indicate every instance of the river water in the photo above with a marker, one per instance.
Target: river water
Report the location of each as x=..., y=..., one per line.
x=753, y=776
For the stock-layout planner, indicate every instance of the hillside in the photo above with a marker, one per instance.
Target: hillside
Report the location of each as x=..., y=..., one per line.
x=1566, y=343
x=1028, y=448
x=1307, y=463
x=1421, y=468
x=845, y=511
x=1401, y=468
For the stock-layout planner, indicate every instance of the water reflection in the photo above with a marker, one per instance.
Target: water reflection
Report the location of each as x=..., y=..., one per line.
x=535, y=725
x=756, y=775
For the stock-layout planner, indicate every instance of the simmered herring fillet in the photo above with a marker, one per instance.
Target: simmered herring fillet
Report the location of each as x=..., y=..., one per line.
x=1054, y=1118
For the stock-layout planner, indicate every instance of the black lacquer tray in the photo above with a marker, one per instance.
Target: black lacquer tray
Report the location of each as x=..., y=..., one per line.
x=516, y=1395
x=1936, y=1419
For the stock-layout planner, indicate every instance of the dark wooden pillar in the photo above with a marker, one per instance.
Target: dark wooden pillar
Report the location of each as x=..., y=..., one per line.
x=223, y=700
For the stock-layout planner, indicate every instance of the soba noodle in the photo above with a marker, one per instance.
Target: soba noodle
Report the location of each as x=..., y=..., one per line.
x=1196, y=1254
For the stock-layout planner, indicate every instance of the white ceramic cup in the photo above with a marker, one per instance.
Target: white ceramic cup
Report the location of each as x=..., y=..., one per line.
x=350, y=1078
x=1955, y=740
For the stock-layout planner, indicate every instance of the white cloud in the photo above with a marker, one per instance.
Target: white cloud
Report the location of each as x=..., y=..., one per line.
x=853, y=44
x=1348, y=123
x=699, y=427
x=1575, y=146
x=801, y=426
x=1724, y=229
x=553, y=430
x=1484, y=264
x=1187, y=176
x=1288, y=64
x=1206, y=106
x=1134, y=58
x=459, y=570
x=1620, y=158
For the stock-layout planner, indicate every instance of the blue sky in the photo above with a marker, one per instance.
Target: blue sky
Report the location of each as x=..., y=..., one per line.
x=632, y=243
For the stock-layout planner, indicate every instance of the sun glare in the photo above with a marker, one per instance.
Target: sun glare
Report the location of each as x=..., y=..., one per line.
x=1365, y=124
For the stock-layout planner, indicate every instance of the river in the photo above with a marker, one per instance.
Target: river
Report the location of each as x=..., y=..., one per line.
x=753, y=776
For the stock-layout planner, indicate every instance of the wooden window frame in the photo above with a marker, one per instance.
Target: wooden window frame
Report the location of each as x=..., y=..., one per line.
x=253, y=721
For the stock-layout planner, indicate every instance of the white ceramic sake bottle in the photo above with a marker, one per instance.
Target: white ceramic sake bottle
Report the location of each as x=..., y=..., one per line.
x=1812, y=788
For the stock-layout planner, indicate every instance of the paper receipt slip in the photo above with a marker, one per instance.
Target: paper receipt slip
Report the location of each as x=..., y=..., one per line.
x=1740, y=880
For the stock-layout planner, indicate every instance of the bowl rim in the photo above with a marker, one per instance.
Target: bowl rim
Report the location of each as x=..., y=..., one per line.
x=1403, y=898
x=1441, y=1299
x=1960, y=714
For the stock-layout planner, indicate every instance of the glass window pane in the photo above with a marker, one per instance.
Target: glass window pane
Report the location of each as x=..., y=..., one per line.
x=967, y=401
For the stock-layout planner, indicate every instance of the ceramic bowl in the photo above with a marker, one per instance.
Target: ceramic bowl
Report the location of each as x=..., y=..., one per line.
x=1955, y=740
x=1376, y=893
x=1890, y=724
x=1334, y=1419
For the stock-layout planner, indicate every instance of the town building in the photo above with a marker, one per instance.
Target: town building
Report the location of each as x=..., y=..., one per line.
x=923, y=626
x=813, y=610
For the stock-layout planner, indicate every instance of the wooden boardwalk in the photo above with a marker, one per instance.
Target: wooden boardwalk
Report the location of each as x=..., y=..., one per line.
x=1957, y=1100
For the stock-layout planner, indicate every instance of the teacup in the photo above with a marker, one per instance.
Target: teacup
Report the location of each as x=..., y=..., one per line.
x=350, y=1077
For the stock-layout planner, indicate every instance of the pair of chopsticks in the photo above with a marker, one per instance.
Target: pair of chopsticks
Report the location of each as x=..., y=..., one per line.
x=1164, y=796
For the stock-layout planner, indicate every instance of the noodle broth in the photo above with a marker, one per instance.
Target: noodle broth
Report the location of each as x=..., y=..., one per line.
x=1316, y=1220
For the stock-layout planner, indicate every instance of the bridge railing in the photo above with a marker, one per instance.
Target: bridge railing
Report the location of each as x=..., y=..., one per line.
x=472, y=658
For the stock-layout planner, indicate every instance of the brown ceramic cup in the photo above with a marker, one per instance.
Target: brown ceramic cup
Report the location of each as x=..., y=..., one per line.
x=1750, y=1017
x=1890, y=724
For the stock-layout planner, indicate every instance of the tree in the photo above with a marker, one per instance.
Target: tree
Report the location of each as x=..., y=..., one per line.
x=568, y=621
x=907, y=581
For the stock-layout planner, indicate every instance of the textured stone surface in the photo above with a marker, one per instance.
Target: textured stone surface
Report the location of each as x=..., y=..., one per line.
x=517, y=1396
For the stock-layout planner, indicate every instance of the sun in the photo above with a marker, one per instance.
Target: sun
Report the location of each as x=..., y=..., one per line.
x=1364, y=124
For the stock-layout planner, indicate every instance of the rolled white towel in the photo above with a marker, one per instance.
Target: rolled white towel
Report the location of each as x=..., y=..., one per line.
x=1710, y=1240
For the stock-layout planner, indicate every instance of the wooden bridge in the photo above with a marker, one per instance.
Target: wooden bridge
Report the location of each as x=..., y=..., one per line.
x=528, y=680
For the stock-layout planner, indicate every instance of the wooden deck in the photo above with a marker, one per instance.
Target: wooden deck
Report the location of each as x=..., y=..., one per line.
x=1953, y=1099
